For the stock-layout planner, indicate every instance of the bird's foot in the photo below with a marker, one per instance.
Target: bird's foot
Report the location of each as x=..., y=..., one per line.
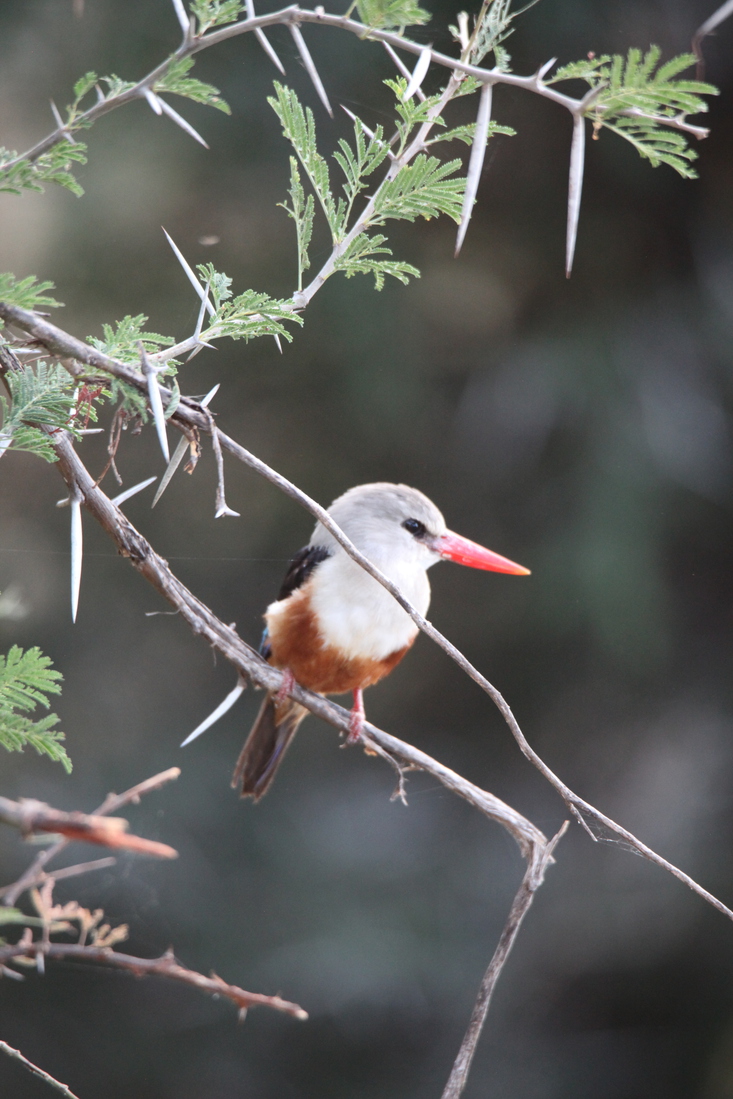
x=285, y=687
x=356, y=721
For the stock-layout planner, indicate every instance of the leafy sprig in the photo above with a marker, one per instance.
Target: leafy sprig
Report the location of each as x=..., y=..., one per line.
x=302, y=211
x=384, y=14
x=40, y=397
x=176, y=81
x=635, y=83
x=214, y=13
x=26, y=293
x=18, y=175
x=26, y=680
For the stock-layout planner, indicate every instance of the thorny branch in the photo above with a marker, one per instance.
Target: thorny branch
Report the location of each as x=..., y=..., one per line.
x=164, y=966
x=293, y=16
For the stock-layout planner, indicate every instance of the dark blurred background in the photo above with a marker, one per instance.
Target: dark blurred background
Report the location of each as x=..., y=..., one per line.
x=581, y=427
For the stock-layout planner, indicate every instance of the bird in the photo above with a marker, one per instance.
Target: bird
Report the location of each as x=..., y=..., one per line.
x=335, y=629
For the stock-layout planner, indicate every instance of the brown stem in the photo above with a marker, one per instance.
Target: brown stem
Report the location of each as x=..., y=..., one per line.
x=165, y=966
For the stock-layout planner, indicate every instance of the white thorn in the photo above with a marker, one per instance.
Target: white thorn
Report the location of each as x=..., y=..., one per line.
x=402, y=67
x=260, y=35
x=156, y=403
x=179, y=452
x=276, y=338
x=715, y=19
x=77, y=551
x=310, y=67
x=262, y=39
x=202, y=310
x=132, y=491
x=171, y=468
x=224, y=510
x=57, y=117
x=419, y=73
x=192, y=278
x=475, y=163
x=220, y=710
x=179, y=121
x=90, y=431
x=544, y=69
x=575, y=189
x=181, y=16
x=153, y=102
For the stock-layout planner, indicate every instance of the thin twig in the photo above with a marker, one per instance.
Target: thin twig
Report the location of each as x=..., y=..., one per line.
x=531, y=882
x=56, y=1084
x=165, y=966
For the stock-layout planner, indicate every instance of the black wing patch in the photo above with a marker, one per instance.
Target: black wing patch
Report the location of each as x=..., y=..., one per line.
x=300, y=568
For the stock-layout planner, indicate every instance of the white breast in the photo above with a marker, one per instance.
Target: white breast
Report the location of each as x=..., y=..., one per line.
x=357, y=615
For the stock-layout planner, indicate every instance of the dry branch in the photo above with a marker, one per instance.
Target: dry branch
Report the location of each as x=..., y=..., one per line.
x=36, y=1071
x=164, y=966
x=31, y=816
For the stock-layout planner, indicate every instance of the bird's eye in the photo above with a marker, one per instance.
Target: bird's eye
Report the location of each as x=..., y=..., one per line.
x=415, y=527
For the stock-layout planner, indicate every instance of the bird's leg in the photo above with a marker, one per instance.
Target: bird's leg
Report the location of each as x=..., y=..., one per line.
x=285, y=687
x=356, y=724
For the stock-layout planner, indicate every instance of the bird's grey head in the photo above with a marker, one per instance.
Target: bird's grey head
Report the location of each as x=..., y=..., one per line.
x=384, y=520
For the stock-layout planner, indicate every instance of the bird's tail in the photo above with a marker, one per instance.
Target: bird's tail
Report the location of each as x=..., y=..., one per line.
x=274, y=728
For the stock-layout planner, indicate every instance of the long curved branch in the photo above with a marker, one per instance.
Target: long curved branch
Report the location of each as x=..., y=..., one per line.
x=294, y=16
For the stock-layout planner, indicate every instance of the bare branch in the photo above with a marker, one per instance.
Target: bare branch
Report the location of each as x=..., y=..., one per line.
x=165, y=966
x=35, y=1070
x=531, y=882
x=31, y=816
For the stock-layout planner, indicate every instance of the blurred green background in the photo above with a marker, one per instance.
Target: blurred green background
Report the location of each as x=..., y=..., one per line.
x=581, y=427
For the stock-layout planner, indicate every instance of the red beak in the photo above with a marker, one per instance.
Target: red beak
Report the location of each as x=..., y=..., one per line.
x=464, y=552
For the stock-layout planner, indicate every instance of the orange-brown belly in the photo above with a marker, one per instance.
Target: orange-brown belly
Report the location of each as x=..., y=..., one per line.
x=296, y=644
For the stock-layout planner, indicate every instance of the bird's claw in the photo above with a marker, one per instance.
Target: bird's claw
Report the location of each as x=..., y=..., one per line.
x=356, y=728
x=286, y=686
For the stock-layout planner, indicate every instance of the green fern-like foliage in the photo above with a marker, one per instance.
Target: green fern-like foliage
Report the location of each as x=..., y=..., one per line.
x=648, y=95
x=26, y=293
x=26, y=681
x=247, y=315
x=384, y=14
x=40, y=397
x=177, y=82
x=214, y=13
